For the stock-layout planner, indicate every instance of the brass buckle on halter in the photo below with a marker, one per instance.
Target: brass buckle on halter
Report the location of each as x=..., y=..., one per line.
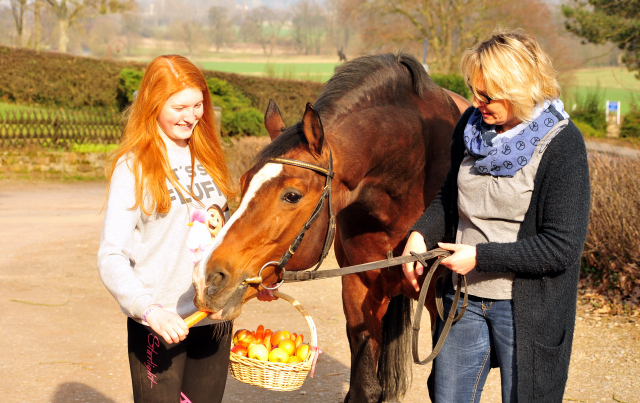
x=258, y=280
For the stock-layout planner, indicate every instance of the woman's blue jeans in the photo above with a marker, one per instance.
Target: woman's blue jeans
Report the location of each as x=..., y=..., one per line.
x=464, y=362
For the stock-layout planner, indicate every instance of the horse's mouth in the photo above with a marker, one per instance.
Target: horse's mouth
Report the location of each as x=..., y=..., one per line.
x=228, y=310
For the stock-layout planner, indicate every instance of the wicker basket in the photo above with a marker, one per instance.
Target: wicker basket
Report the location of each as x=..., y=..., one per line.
x=275, y=375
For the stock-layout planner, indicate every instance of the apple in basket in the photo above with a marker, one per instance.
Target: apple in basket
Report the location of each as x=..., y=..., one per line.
x=278, y=355
x=289, y=346
x=302, y=351
x=294, y=360
x=240, y=350
x=258, y=352
x=244, y=337
x=278, y=336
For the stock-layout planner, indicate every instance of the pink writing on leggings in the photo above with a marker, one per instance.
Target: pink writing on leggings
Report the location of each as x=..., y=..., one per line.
x=152, y=343
x=184, y=398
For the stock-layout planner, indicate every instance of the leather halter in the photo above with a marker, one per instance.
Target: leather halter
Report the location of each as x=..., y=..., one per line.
x=325, y=198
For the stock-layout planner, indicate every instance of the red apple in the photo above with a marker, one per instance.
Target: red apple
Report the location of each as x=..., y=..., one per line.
x=246, y=338
x=258, y=352
x=299, y=340
x=237, y=333
x=278, y=336
x=288, y=345
x=278, y=355
x=293, y=336
x=240, y=350
x=302, y=351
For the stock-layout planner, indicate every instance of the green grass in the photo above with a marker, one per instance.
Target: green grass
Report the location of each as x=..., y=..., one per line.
x=614, y=83
x=320, y=72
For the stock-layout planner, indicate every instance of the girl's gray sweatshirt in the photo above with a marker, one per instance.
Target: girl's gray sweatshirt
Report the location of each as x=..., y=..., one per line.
x=144, y=259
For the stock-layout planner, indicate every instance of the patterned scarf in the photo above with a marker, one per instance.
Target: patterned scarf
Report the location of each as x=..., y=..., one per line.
x=506, y=153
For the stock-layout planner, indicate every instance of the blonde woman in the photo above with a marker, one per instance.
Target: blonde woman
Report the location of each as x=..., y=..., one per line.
x=515, y=207
x=168, y=164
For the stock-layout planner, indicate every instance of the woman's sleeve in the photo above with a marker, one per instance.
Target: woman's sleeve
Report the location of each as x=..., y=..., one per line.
x=115, y=256
x=564, y=216
x=437, y=218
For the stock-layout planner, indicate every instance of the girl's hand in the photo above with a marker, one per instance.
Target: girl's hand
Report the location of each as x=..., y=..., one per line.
x=463, y=259
x=412, y=270
x=170, y=326
x=266, y=295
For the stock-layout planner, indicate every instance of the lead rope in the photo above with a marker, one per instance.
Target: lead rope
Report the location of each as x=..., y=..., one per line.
x=450, y=319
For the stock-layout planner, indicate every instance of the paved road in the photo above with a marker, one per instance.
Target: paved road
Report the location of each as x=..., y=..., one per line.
x=596, y=146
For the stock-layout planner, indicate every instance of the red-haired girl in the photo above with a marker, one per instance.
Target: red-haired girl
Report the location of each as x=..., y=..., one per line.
x=169, y=163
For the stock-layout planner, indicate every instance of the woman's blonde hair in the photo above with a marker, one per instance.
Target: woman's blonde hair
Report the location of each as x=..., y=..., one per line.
x=145, y=150
x=512, y=66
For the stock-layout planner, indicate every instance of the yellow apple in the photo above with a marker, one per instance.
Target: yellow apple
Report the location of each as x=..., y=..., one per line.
x=278, y=355
x=289, y=346
x=294, y=360
x=258, y=352
x=302, y=351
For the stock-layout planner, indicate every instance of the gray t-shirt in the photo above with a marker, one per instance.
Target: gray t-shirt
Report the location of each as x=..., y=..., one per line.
x=491, y=209
x=144, y=259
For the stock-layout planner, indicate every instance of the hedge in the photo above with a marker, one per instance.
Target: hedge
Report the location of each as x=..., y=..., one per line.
x=59, y=80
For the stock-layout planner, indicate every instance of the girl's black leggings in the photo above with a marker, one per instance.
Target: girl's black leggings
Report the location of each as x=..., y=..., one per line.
x=192, y=371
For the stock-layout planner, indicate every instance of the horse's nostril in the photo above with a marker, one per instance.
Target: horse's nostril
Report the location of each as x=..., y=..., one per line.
x=217, y=280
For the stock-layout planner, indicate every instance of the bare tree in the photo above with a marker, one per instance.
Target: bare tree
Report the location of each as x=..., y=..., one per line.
x=38, y=26
x=19, y=7
x=69, y=12
x=188, y=33
x=274, y=25
x=254, y=26
x=220, y=26
x=449, y=25
x=308, y=27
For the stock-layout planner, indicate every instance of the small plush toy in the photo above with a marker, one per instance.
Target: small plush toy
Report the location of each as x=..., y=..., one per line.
x=215, y=219
x=199, y=236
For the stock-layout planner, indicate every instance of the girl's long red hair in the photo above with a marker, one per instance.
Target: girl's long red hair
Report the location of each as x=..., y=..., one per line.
x=144, y=149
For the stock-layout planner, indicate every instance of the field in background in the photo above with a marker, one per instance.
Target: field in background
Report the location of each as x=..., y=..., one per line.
x=320, y=72
x=613, y=84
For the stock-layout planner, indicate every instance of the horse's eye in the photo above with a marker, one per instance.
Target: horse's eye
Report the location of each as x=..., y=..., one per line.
x=292, y=197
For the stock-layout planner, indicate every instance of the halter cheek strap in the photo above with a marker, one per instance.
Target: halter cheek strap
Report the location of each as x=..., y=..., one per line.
x=325, y=198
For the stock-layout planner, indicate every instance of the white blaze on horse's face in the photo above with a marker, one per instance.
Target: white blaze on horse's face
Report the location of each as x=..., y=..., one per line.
x=264, y=175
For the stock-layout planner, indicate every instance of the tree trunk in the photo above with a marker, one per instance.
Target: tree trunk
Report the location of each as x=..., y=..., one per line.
x=63, y=32
x=36, y=15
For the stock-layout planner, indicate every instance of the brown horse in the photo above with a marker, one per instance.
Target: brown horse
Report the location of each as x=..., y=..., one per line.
x=386, y=127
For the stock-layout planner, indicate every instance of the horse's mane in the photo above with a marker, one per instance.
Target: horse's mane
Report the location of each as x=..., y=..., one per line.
x=351, y=82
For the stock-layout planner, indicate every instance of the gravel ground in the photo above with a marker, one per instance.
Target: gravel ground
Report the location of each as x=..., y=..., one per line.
x=66, y=339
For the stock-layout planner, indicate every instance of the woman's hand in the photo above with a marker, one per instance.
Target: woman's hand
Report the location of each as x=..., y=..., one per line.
x=170, y=326
x=463, y=259
x=266, y=295
x=412, y=270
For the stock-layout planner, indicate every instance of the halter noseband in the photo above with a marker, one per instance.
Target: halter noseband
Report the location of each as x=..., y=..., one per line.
x=325, y=197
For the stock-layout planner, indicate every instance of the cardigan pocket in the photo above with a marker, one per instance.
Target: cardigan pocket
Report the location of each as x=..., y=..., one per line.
x=550, y=369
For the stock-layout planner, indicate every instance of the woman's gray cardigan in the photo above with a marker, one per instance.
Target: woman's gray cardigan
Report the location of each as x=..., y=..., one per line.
x=545, y=259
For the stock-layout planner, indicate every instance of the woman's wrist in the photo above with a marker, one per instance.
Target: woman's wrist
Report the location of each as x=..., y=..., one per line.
x=148, y=311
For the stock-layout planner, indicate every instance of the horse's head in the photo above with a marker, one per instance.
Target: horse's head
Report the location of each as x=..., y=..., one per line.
x=277, y=200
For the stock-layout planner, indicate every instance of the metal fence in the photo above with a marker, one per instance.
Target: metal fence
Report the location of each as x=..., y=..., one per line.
x=58, y=128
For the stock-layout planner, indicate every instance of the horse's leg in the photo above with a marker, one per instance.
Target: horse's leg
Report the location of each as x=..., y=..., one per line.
x=364, y=313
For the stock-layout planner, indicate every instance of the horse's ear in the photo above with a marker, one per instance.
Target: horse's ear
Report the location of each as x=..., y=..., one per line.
x=273, y=120
x=312, y=128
